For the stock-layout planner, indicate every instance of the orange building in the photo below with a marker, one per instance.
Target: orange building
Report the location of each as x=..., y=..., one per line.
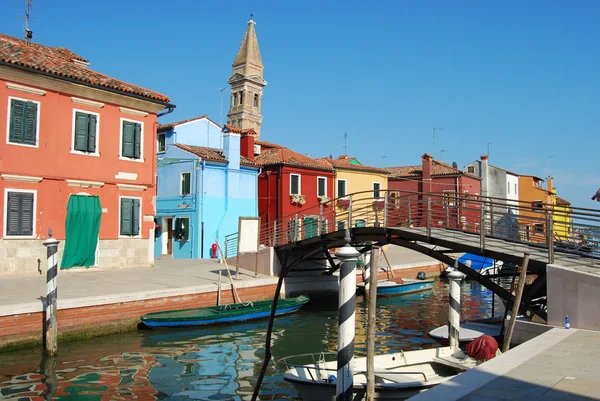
x=535, y=202
x=77, y=155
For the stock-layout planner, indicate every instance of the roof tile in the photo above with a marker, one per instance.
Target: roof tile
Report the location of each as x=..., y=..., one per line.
x=438, y=168
x=63, y=63
x=276, y=155
x=345, y=163
x=213, y=154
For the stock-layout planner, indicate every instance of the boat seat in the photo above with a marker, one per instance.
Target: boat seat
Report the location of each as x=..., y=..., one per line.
x=453, y=362
x=396, y=377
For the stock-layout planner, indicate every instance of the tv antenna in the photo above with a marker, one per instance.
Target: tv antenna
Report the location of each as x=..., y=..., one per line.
x=442, y=151
x=433, y=151
x=345, y=144
x=28, y=32
x=330, y=154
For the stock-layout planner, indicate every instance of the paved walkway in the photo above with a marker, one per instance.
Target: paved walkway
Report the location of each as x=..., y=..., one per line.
x=170, y=277
x=557, y=365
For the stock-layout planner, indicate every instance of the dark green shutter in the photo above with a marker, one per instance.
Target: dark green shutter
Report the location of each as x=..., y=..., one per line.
x=13, y=212
x=294, y=184
x=30, y=123
x=185, y=183
x=26, y=226
x=321, y=189
x=341, y=190
x=81, y=132
x=126, y=209
x=137, y=140
x=91, y=145
x=310, y=227
x=135, y=230
x=128, y=138
x=17, y=112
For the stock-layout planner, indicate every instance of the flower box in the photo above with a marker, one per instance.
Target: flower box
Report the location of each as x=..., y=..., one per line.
x=323, y=199
x=343, y=203
x=378, y=204
x=297, y=199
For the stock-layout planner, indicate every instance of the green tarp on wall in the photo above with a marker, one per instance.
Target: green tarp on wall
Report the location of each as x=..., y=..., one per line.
x=82, y=227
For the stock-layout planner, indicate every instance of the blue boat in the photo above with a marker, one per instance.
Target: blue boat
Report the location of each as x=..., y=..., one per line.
x=480, y=264
x=231, y=313
x=408, y=286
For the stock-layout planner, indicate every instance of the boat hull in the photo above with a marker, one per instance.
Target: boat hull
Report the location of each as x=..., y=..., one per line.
x=390, y=288
x=222, y=314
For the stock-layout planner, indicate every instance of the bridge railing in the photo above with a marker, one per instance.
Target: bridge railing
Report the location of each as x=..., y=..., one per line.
x=540, y=223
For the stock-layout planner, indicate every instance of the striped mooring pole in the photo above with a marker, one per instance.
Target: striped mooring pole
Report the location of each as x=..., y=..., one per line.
x=367, y=271
x=50, y=322
x=455, y=277
x=346, y=320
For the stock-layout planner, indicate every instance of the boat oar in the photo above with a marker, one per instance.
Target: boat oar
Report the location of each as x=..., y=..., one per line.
x=219, y=290
x=390, y=266
x=235, y=294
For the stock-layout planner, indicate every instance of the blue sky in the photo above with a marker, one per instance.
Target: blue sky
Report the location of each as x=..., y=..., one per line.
x=523, y=75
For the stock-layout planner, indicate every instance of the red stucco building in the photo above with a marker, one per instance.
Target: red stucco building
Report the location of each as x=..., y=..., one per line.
x=449, y=190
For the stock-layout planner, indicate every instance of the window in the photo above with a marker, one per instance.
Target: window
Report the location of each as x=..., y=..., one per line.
x=235, y=99
x=186, y=184
x=394, y=201
x=376, y=190
x=162, y=141
x=130, y=217
x=20, y=213
x=23, y=122
x=449, y=198
x=85, y=132
x=537, y=204
x=255, y=100
x=131, y=139
x=294, y=184
x=321, y=186
x=182, y=229
x=341, y=225
x=471, y=169
x=341, y=188
x=538, y=228
x=241, y=98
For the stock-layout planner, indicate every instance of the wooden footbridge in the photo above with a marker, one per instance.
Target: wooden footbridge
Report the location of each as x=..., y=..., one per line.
x=442, y=226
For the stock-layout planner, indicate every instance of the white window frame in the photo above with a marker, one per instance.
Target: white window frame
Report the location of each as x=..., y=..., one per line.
x=189, y=228
x=324, y=178
x=37, y=123
x=471, y=169
x=450, y=199
x=181, y=183
x=121, y=157
x=539, y=226
x=378, y=190
x=141, y=215
x=164, y=133
x=34, y=215
x=299, y=184
x=345, y=222
x=345, y=188
x=78, y=152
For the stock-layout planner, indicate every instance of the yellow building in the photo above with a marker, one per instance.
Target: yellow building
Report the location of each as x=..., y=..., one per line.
x=352, y=177
x=563, y=220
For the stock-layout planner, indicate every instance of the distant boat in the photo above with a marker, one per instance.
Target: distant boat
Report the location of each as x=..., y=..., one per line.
x=480, y=264
x=230, y=313
x=408, y=286
x=467, y=332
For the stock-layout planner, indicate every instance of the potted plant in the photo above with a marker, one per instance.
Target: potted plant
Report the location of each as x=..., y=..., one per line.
x=378, y=204
x=323, y=199
x=297, y=199
x=343, y=203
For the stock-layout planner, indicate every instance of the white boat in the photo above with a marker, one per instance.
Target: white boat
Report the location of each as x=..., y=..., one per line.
x=398, y=376
x=467, y=332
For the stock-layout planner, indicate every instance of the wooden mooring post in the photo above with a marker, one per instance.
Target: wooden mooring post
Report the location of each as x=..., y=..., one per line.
x=515, y=309
x=371, y=324
x=50, y=320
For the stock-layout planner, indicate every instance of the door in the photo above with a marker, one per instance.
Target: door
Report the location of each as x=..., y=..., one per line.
x=169, y=224
x=82, y=228
x=310, y=227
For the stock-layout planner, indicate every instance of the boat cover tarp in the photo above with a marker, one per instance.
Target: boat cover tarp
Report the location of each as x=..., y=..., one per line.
x=477, y=262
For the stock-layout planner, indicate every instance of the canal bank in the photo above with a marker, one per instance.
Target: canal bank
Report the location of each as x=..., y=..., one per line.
x=96, y=302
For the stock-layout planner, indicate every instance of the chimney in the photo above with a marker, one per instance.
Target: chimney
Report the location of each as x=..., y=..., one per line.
x=247, y=144
x=427, y=161
x=550, y=184
x=483, y=173
x=231, y=149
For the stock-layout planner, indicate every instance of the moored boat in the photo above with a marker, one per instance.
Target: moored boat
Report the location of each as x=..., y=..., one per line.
x=398, y=376
x=408, y=286
x=467, y=332
x=230, y=313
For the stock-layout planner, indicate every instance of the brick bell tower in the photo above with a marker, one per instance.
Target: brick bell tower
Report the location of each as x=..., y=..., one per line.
x=247, y=84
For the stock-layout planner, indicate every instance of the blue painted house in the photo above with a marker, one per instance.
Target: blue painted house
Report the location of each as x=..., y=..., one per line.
x=206, y=180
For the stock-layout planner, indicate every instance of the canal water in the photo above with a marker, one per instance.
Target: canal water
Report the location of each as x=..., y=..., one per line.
x=223, y=362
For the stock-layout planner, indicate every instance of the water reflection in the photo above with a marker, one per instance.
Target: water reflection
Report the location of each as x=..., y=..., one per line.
x=221, y=362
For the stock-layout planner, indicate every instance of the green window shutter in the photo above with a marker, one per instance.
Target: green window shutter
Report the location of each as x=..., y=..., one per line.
x=185, y=227
x=13, y=211
x=186, y=183
x=321, y=187
x=93, y=122
x=137, y=140
x=17, y=114
x=30, y=123
x=135, y=229
x=81, y=132
x=162, y=141
x=177, y=228
x=128, y=139
x=341, y=188
x=26, y=226
x=294, y=184
x=126, y=209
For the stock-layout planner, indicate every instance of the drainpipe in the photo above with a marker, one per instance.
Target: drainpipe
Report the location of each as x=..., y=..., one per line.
x=202, y=210
x=279, y=192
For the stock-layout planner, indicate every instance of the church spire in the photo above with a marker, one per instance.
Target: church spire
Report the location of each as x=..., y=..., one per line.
x=247, y=83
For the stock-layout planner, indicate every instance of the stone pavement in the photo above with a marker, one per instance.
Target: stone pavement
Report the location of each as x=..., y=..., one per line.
x=557, y=365
x=170, y=277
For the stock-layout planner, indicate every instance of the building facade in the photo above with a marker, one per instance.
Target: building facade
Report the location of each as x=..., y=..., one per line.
x=202, y=191
x=295, y=191
x=536, y=202
x=77, y=157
